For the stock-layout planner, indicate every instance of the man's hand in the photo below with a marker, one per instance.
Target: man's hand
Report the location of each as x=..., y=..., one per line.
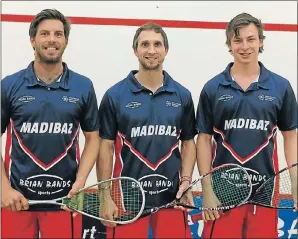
x=210, y=201
x=108, y=209
x=187, y=199
x=13, y=200
x=78, y=184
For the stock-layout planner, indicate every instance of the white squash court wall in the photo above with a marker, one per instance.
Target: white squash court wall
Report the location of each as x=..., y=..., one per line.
x=104, y=53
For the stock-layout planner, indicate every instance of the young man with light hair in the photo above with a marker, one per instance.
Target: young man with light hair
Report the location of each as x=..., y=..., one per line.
x=238, y=115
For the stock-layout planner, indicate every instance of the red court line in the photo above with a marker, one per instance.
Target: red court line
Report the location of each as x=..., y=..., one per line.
x=139, y=22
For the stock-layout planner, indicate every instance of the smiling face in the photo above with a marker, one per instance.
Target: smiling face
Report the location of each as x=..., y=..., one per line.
x=245, y=47
x=150, y=50
x=49, y=42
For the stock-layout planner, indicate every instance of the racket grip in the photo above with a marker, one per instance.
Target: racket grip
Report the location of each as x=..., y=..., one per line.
x=196, y=217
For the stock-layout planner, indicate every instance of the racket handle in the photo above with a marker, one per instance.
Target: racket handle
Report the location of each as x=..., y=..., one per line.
x=196, y=217
x=33, y=202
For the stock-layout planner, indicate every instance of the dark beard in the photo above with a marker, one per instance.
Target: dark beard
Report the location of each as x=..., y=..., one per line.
x=146, y=68
x=48, y=60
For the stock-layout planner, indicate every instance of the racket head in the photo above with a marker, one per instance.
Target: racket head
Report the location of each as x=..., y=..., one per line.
x=230, y=183
x=270, y=193
x=127, y=193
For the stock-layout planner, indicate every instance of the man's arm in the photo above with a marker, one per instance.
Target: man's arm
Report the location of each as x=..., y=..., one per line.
x=204, y=160
x=290, y=149
x=290, y=146
x=188, y=155
x=88, y=159
x=104, y=164
x=104, y=167
x=204, y=153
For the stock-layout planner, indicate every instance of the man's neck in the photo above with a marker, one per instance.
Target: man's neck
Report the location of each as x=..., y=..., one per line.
x=151, y=80
x=245, y=70
x=47, y=72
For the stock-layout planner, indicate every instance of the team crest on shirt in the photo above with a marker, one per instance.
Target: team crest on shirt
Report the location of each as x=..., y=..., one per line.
x=133, y=105
x=266, y=97
x=27, y=98
x=70, y=99
x=225, y=97
x=172, y=104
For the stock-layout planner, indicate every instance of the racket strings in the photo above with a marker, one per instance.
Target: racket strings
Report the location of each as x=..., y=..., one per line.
x=275, y=192
x=231, y=186
x=126, y=195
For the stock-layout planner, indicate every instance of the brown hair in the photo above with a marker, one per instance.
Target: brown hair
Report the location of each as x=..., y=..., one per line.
x=150, y=26
x=241, y=20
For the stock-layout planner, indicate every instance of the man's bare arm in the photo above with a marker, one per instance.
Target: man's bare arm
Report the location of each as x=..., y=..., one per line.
x=188, y=155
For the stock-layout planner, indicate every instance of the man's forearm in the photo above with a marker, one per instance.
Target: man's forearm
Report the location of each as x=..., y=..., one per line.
x=290, y=146
x=188, y=155
x=104, y=164
x=88, y=157
x=290, y=149
x=204, y=156
x=5, y=182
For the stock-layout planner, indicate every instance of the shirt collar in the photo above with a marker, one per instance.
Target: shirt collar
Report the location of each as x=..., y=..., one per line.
x=135, y=86
x=58, y=80
x=256, y=80
x=32, y=79
x=263, y=79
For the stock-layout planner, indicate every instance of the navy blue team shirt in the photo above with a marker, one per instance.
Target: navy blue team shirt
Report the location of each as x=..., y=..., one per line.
x=43, y=123
x=244, y=124
x=147, y=128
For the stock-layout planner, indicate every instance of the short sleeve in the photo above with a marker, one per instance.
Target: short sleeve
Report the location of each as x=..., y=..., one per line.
x=89, y=120
x=107, y=118
x=287, y=116
x=204, y=117
x=5, y=107
x=188, y=120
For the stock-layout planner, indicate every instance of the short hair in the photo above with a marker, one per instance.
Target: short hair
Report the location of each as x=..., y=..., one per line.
x=243, y=19
x=150, y=26
x=49, y=14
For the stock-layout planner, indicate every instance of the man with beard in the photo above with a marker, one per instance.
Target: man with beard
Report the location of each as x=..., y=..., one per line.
x=43, y=108
x=143, y=118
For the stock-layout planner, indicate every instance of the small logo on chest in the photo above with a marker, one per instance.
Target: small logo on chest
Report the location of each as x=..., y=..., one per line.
x=133, y=105
x=70, y=99
x=266, y=97
x=225, y=97
x=27, y=98
x=172, y=104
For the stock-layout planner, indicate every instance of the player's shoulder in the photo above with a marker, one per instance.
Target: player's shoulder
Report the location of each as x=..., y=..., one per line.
x=13, y=81
x=14, y=78
x=176, y=86
x=212, y=84
x=79, y=80
x=118, y=88
x=122, y=87
x=278, y=80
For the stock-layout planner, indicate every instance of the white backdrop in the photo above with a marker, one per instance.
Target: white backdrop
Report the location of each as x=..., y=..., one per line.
x=104, y=53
